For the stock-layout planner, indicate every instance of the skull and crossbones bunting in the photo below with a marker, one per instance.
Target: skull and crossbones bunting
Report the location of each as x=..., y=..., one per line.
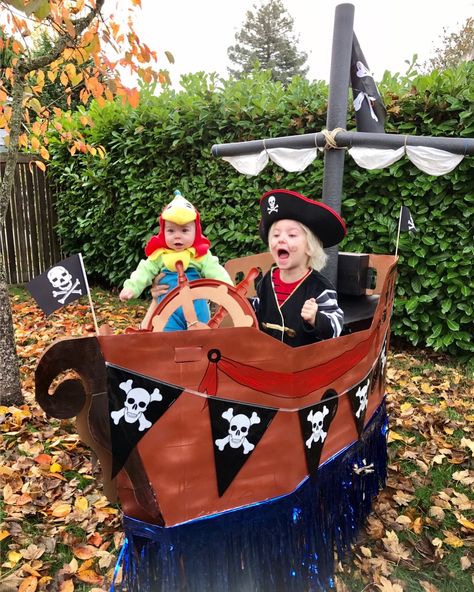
x=59, y=285
x=314, y=422
x=136, y=403
x=359, y=398
x=236, y=431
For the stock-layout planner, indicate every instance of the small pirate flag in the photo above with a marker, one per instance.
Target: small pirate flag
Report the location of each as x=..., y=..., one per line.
x=236, y=431
x=315, y=421
x=369, y=108
x=136, y=402
x=359, y=397
x=405, y=224
x=60, y=285
x=406, y=220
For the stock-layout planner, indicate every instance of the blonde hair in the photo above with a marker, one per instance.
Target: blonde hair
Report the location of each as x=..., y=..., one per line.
x=317, y=258
x=316, y=255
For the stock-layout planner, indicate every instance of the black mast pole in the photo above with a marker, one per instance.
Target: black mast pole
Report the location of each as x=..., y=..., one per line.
x=337, y=117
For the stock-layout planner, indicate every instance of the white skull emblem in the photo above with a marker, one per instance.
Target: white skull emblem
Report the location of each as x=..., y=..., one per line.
x=239, y=426
x=317, y=420
x=60, y=278
x=136, y=404
x=238, y=430
x=362, y=395
x=383, y=358
x=272, y=206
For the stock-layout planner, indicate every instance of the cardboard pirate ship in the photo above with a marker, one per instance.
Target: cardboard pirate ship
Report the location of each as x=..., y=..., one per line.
x=202, y=424
x=242, y=464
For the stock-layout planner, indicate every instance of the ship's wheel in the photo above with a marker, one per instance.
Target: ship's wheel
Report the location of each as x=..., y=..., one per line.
x=231, y=301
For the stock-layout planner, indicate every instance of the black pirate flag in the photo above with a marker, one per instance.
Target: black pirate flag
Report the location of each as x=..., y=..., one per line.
x=359, y=397
x=236, y=431
x=406, y=220
x=59, y=285
x=315, y=421
x=136, y=402
x=369, y=108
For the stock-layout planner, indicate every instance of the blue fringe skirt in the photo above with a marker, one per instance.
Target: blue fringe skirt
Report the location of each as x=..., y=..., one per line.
x=287, y=544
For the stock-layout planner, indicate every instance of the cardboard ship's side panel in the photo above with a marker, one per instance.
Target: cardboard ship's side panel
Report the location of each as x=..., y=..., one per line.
x=177, y=452
x=170, y=476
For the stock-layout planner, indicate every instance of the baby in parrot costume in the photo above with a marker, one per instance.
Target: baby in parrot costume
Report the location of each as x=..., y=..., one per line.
x=180, y=238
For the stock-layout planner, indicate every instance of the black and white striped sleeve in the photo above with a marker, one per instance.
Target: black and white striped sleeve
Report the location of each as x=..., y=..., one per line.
x=329, y=318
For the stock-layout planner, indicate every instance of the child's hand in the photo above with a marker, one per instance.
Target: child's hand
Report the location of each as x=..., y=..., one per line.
x=309, y=310
x=125, y=294
x=158, y=289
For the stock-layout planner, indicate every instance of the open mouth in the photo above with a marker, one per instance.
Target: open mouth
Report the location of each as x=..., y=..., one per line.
x=283, y=254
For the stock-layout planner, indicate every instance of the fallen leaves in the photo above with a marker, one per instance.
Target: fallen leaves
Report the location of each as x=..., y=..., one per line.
x=426, y=512
x=465, y=477
x=395, y=549
x=386, y=585
x=423, y=516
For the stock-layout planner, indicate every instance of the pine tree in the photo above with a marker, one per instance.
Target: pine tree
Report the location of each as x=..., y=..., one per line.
x=267, y=40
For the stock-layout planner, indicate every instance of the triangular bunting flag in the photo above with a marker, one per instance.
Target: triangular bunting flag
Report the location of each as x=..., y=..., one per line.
x=136, y=402
x=59, y=285
x=359, y=396
x=378, y=376
x=236, y=431
x=315, y=421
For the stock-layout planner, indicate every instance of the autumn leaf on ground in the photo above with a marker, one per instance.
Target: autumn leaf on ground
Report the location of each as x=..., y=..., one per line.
x=386, y=585
x=428, y=586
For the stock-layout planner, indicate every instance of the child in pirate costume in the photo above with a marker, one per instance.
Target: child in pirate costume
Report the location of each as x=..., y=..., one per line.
x=180, y=238
x=295, y=302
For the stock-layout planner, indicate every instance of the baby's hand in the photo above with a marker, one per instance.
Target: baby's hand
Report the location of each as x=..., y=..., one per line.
x=309, y=310
x=125, y=294
x=158, y=289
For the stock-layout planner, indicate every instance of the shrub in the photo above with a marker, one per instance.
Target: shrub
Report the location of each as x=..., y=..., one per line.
x=107, y=209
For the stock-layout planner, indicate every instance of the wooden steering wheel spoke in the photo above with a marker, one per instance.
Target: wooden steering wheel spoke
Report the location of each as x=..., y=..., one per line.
x=231, y=301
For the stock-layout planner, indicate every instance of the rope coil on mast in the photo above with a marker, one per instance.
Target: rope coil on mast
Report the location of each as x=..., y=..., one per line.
x=330, y=137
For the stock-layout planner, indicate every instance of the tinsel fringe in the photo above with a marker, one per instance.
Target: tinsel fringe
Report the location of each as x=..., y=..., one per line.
x=281, y=545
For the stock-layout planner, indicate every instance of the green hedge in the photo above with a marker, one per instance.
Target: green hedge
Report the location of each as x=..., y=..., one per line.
x=107, y=209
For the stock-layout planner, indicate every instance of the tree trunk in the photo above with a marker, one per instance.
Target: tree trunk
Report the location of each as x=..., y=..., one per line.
x=10, y=386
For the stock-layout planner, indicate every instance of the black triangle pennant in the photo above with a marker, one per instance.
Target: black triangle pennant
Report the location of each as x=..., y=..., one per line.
x=136, y=402
x=378, y=376
x=359, y=396
x=237, y=429
x=315, y=421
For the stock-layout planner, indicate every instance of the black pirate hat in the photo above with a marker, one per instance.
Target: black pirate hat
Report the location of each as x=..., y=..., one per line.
x=282, y=204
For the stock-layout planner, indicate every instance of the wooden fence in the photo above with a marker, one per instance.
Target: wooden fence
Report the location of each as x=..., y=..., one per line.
x=28, y=242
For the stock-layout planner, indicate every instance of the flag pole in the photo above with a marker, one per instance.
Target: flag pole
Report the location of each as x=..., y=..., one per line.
x=89, y=294
x=399, y=228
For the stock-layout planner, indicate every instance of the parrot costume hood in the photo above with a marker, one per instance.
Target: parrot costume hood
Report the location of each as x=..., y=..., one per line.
x=179, y=211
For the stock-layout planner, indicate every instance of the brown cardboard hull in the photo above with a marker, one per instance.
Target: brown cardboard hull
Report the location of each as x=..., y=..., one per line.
x=170, y=477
